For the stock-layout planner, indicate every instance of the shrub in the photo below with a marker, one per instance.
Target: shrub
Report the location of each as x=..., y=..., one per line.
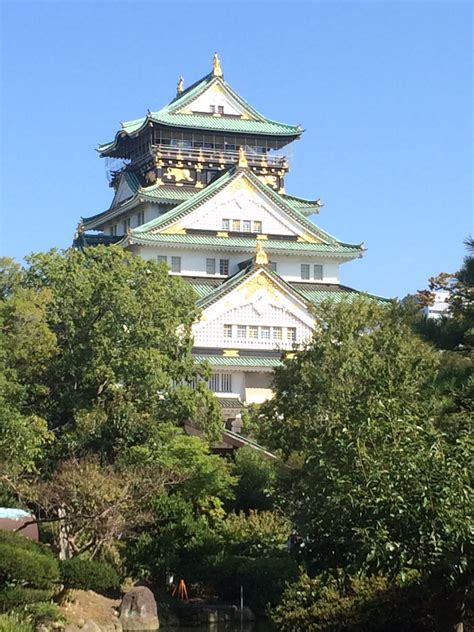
x=263, y=579
x=257, y=534
x=86, y=574
x=18, y=596
x=353, y=604
x=26, y=562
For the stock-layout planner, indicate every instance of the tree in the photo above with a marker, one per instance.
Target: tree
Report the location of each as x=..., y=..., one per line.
x=122, y=331
x=381, y=487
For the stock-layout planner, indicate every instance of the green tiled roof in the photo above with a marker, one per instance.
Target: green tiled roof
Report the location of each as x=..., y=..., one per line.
x=211, y=290
x=307, y=207
x=230, y=402
x=164, y=194
x=240, y=361
x=168, y=115
x=247, y=245
x=201, y=286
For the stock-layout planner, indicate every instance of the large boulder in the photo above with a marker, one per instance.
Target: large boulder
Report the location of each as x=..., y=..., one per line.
x=138, y=610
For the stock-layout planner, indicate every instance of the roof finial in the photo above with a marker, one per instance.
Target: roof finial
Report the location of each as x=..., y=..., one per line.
x=261, y=257
x=216, y=66
x=180, y=86
x=243, y=162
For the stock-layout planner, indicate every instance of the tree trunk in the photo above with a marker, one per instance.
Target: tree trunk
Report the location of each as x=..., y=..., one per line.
x=65, y=549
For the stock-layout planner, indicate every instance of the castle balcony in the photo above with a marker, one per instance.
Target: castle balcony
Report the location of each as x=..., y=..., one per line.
x=210, y=156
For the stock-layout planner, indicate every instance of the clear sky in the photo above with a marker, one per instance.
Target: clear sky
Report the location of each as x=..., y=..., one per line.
x=384, y=90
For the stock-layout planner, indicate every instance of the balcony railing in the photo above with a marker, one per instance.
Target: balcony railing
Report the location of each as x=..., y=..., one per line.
x=205, y=154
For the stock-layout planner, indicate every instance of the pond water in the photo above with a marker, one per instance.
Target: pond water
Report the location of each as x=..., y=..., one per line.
x=259, y=626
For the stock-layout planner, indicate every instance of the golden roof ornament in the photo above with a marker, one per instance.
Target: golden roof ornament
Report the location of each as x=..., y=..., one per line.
x=216, y=66
x=261, y=257
x=180, y=86
x=243, y=162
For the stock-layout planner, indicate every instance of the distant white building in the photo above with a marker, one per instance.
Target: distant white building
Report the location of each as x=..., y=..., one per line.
x=439, y=307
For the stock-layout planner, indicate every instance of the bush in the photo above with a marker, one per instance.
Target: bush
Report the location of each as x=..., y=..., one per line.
x=257, y=534
x=88, y=575
x=354, y=604
x=263, y=579
x=18, y=596
x=26, y=562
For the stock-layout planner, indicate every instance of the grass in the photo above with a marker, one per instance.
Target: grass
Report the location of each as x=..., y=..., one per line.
x=12, y=623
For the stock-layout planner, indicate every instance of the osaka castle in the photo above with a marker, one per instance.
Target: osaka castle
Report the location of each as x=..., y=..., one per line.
x=200, y=185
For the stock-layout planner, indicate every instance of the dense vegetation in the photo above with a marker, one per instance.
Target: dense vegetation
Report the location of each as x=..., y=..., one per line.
x=365, y=520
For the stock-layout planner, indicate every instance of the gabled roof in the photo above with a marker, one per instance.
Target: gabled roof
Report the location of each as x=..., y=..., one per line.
x=254, y=123
x=241, y=277
x=207, y=289
x=156, y=194
x=173, y=195
x=151, y=231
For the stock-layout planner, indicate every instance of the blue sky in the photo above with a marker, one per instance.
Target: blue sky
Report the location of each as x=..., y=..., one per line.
x=384, y=90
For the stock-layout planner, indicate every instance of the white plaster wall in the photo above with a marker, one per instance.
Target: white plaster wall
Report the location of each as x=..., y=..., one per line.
x=193, y=262
x=251, y=386
x=151, y=212
x=289, y=268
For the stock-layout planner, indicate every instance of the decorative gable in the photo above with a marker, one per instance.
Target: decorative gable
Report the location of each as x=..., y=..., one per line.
x=257, y=313
x=124, y=192
x=216, y=99
x=237, y=207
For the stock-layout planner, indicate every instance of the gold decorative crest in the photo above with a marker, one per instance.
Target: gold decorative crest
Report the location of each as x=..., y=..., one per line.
x=216, y=66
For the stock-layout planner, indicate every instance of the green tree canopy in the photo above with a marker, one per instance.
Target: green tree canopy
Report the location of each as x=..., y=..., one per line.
x=380, y=487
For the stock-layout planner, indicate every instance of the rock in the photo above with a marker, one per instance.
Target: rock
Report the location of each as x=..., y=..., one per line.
x=138, y=610
x=91, y=626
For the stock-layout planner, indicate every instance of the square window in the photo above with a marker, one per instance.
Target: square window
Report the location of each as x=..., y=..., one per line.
x=162, y=259
x=175, y=264
x=236, y=224
x=305, y=271
x=210, y=266
x=273, y=266
x=265, y=333
x=225, y=224
x=224, y=266
x=241, y=331
x=257, y=227
x=291, y=333
x=277, y=333
x=318, y=272
x=220, y=109
x=227, y=331
x=247, y=226
x=212, y=109
x=253, y=331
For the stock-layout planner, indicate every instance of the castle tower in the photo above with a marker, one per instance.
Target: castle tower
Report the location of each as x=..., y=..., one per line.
x=200, y=185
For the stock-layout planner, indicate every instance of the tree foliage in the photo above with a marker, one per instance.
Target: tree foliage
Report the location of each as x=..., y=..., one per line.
x=381, y=487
